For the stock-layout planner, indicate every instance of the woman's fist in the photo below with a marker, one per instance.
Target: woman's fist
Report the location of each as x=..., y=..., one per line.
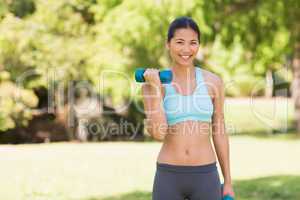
x=151, y=76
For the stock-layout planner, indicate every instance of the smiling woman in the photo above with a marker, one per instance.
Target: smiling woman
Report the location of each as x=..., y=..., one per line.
x=192, y=106
x=183, y=41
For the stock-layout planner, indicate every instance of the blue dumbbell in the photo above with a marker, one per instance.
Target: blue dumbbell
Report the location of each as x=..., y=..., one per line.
x=164, y=75
x=227, y=196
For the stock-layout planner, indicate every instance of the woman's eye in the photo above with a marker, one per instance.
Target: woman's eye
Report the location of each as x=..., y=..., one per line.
x=179, y=42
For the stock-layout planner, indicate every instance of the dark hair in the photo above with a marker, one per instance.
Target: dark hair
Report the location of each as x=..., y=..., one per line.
x=182, y=22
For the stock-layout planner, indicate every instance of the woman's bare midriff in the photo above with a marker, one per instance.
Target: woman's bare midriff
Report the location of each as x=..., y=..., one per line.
x=187, y=143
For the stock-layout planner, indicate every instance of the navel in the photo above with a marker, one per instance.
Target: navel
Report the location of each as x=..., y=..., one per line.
x=187, y=152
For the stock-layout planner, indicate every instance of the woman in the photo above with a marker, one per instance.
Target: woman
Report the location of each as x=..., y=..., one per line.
x=182, y=114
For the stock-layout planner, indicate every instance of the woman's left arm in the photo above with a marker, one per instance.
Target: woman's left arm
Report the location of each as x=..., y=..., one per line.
x=219, y=136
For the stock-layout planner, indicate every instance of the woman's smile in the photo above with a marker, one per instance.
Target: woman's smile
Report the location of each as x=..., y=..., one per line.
x=185, y=57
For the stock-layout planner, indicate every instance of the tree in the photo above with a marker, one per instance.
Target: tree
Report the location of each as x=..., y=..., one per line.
x=270, y=30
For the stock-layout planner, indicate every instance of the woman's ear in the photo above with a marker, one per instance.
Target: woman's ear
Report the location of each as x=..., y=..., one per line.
x=167, y=45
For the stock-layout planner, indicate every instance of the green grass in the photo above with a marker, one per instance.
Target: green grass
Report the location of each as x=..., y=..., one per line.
x=259, y=117
x=264, y=161
x=269, y=188
x=262, y=169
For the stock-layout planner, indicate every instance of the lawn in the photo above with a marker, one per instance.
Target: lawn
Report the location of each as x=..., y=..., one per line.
x=258, y=116
x=262, y=169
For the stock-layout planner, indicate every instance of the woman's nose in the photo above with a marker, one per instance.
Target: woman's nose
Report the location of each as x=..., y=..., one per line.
x=186, y=48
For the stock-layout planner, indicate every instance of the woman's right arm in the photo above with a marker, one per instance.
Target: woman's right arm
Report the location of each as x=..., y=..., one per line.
x=156, y=123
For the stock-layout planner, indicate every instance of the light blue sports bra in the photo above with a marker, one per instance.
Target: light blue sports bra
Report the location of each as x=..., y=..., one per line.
x=197, y=106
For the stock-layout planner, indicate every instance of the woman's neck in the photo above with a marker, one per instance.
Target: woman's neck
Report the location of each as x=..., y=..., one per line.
x=183, y=72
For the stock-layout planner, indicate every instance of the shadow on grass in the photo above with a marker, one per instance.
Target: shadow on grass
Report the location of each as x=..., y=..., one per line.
x=267, y=188
x=136, y=195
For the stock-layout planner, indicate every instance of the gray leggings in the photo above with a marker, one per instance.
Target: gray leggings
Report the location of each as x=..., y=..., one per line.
x=181, y=182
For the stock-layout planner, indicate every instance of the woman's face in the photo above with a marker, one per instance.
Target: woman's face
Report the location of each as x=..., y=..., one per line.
x=183, y=47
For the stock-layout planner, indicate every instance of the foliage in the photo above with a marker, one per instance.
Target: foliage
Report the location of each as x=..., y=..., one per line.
x=16, y=103
x=103, y=41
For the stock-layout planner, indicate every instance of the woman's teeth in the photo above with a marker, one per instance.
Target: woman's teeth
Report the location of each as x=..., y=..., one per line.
x=185, y=57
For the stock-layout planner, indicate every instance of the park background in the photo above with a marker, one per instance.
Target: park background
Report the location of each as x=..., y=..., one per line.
x=67, y=90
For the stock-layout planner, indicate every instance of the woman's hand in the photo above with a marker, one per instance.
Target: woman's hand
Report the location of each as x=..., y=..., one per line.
x=151, y=76
x=228, y=190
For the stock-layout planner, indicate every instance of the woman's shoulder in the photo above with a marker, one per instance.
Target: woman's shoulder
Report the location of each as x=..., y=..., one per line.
x=213, y=81
x=211, y=77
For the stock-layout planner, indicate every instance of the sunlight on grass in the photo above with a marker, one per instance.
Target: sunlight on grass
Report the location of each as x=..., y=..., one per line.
x=263, y=167
x=63, y=171
x=258, y=116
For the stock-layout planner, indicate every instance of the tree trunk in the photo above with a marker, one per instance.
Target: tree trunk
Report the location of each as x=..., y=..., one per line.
x=269, y=85
x=296, y=84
